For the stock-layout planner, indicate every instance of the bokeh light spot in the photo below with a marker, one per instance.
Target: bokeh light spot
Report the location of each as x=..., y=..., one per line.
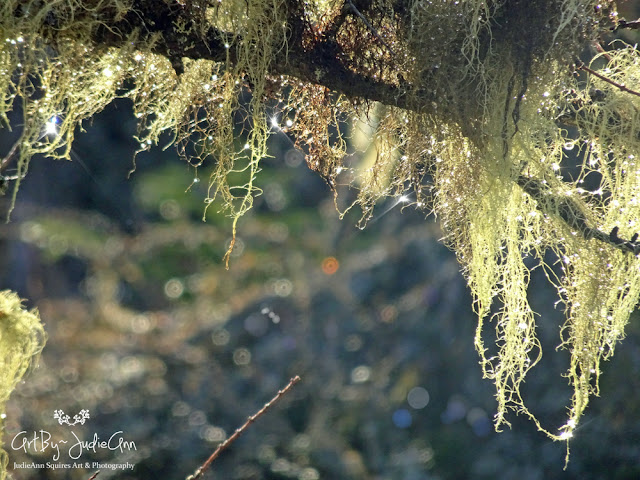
x=360, y=374
x=479, y=421
x=309, y=474
x=256, y=324
x=241, y=356
x=330, y=265
x=170, y=210
x=283, y=287
x=180, y=409
x=220, y=337
x=213, y=434
x=353, y=343
x=174, y=288
x=402, y=418
x=197, y=418
x=456, y=410
x=418, y=398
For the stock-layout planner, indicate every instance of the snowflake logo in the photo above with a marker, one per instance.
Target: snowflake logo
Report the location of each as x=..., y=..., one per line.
x=78, y=418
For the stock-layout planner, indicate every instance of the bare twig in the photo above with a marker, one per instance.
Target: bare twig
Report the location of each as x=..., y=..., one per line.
x=601, y=50
x=203, y=468
x=633, y=25
x=631, y=245
x=5, y=161
x=582, y=66
x=94, y=475
x=369, y=26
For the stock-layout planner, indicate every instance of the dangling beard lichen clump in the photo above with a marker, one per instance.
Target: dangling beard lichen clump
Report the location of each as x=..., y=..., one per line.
x=502, y=196
x=62, y=77
x=22, y=338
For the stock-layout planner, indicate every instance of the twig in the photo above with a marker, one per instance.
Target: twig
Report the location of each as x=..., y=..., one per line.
x=633, y=25
x=5, y=161
x=94, y=475
x=628, y=245
x=601, y=50
x=203, y=468
x=369, y=26
x=570, y=213
x=582, y=66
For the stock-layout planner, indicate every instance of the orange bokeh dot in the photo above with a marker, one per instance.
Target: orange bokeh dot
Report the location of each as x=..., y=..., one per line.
x=330, y=265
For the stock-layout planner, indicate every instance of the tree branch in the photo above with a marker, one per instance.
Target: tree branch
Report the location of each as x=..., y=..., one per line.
x=633, y=25
x=582, y=66
x=369, y=26
x=318, y=63
x=205, y=466
x=571, y=214
x=174, y=32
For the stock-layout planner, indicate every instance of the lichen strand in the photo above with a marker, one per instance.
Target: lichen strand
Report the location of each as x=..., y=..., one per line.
x=202, y=105
x=487, y=97
x=22, y=338
x=262, y=38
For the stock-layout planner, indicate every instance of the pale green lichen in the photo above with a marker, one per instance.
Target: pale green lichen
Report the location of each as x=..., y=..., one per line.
x=22, y=338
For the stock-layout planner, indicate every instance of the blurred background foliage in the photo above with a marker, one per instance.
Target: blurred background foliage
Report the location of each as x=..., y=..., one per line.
x=150, y=333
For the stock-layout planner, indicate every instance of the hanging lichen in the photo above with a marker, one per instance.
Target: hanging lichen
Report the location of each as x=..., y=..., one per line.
x=480, y=117
x=61, y=87
x=22, y=338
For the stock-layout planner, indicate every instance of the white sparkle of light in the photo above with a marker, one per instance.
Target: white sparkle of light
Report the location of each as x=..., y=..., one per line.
x=274, y=122
x=51, y=127
x=566, y=435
